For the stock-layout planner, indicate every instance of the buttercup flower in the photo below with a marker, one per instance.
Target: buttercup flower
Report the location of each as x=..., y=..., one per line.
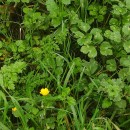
x=44, y=91
x=14, y=109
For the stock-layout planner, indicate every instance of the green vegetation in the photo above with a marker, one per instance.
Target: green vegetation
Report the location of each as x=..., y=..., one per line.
x=65, y=65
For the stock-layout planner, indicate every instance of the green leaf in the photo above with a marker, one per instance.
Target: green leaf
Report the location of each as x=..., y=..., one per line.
x=98, y=128
x=121, y=104
x=127, y=3
x=34, y=110
x=13, y=47
x=1, y=44
x=16, y=1
x=125, y=61
x=84, y=26
x=56, y=21
x=126, y=29
x=98, y=37
x=111, y=65
x=106, y=103
x=105, y=49
x=114, y=21
x=90, y=50
x=66, y=2
x=27, y=10
x=1, y=80
x=25, y=1
x=117, y=10
x=115, y=36
x=10, y=73
x=78, y=34
x=107, y=33
x=95, y=30
x=20, y=45
x=61, y=114
x=126, y=46
x=65, y=91
x=90, y=67
x=52, y=6
x=123, y=73
x=73, y=17
x=71, y=100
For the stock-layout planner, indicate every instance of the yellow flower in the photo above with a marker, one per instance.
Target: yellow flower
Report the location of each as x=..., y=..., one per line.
x=44, y=91
x=14, y=109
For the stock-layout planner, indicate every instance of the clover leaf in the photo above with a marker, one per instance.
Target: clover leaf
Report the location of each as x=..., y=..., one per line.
x=105, y=49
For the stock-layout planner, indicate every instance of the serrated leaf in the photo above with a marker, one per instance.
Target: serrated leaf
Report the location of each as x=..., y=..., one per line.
x=105, y=49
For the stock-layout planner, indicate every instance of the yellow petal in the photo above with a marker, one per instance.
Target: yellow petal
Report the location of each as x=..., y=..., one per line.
x=44, y=91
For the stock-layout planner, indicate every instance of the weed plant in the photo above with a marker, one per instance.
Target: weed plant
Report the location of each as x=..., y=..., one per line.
x=65, y=65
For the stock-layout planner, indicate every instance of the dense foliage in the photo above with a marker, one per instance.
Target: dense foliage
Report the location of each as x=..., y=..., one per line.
x=65, y=64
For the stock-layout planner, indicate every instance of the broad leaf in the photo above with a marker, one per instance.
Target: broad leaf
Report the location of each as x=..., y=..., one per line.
x=126, y=29
x=126, y=46
x=127, y=3
x=66, y=2
x=121, y=104
x=106, y=103
x=90, y=50
x=105, y=49
x=111, y=65
x=125, y=61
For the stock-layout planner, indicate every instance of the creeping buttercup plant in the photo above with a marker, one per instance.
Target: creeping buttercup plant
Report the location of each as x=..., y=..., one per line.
x=65, y=64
